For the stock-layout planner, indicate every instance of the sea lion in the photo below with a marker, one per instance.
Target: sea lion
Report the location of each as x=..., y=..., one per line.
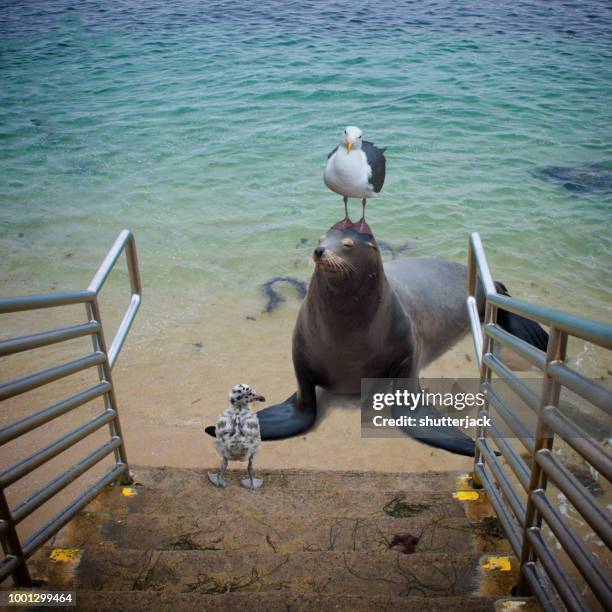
x=363, y=318
x=594, y=177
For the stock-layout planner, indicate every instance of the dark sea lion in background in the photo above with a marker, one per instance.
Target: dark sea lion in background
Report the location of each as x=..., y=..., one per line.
x=365, y=319
x=594, y=177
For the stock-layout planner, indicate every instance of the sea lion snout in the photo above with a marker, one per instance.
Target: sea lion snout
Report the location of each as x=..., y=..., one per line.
x=318, y=252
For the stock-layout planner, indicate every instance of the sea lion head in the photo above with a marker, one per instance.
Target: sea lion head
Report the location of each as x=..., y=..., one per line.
x=347, y=258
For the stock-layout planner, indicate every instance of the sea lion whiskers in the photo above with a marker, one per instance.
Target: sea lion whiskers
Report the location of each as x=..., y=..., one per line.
x=334, y=262
x=337, y=262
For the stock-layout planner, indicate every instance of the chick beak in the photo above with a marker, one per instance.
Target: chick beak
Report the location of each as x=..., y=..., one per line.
x=349, y=145
x=258, y=398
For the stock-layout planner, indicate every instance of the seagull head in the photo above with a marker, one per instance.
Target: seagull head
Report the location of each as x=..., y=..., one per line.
x=242, y=395
x=352, y=138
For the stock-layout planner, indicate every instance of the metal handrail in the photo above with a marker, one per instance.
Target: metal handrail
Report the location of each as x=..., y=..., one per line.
x=16, y=552
x=541, y=571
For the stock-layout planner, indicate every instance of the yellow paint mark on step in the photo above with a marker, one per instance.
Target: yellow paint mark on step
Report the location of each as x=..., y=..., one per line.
x=499, y=564
x=509, y=605
x=464, y=481
x=128, y=491
x=64, y=555
x=466, y=495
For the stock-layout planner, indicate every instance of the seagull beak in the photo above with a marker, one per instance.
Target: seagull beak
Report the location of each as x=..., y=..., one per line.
x=349, y=145
x=258, y=398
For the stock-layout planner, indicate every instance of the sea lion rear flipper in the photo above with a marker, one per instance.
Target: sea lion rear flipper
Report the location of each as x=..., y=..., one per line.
x=286, y=419
x=521, y=327
x=450, y=439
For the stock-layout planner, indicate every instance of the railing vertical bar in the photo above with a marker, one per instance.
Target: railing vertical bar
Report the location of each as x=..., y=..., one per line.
x=555, y=351
x=485, y=379
x=110, y=398
x=21, y=574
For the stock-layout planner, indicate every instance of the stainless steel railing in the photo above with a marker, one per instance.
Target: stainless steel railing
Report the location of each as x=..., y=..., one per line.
x=103, y=358
x=524, y=510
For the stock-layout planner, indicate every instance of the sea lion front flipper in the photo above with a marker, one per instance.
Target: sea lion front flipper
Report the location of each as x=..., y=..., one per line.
x=297, y=413
x=282, y=420
x=294, y=416
x=286, y=419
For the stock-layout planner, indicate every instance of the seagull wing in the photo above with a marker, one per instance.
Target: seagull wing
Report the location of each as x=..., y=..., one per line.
x=332, y=152
x=377, y=162
x=225, y=425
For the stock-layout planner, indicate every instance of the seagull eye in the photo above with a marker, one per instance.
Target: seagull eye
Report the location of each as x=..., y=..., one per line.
x=348, y=243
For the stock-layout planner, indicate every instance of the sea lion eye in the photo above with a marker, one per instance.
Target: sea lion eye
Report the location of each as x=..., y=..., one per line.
x=372, y=246
x=348, y=243
x=322, y=237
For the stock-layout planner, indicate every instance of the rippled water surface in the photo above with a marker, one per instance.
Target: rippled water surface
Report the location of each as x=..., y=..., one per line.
x=204, y=126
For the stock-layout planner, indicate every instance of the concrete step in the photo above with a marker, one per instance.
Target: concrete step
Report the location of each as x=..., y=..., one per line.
x=172, y=479
x=265, y=602
x=246, y=531
x=200, y=498
x=208, y=572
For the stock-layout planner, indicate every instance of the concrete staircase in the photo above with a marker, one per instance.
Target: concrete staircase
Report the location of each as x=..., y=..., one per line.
x=305, y=541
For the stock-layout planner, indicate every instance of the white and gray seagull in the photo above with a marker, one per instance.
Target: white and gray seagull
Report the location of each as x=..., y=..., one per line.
x=355, y=169
x=237, y=435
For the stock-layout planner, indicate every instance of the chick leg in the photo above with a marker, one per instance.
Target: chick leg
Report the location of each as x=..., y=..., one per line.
x=219, y=479
x=250, y=482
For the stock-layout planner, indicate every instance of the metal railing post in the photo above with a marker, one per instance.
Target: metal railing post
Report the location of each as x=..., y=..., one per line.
x=110, y=400
x=482, y=344
x=555, y=351
x=21, y=574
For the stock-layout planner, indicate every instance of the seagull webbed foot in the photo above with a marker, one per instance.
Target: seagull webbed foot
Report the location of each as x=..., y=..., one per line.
x=253, y=484
x=362, y=227
x=217, y=480
x=346, y=223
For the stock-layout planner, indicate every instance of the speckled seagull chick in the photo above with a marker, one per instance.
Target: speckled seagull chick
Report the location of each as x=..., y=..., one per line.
x=355, y=169
x=238, y=436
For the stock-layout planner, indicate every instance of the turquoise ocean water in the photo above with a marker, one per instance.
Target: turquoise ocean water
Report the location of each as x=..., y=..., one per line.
x=205, y=126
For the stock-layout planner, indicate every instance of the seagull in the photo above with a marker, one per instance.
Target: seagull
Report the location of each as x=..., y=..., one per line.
x=355, y=169
x=238, y=436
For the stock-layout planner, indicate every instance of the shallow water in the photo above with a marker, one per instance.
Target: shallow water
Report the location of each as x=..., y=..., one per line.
x=205, y=128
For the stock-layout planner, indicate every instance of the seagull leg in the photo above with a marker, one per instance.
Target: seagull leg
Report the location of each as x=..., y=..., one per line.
x=219, y=479
x=346, y=222
x=361, y=226
x=250, y=482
